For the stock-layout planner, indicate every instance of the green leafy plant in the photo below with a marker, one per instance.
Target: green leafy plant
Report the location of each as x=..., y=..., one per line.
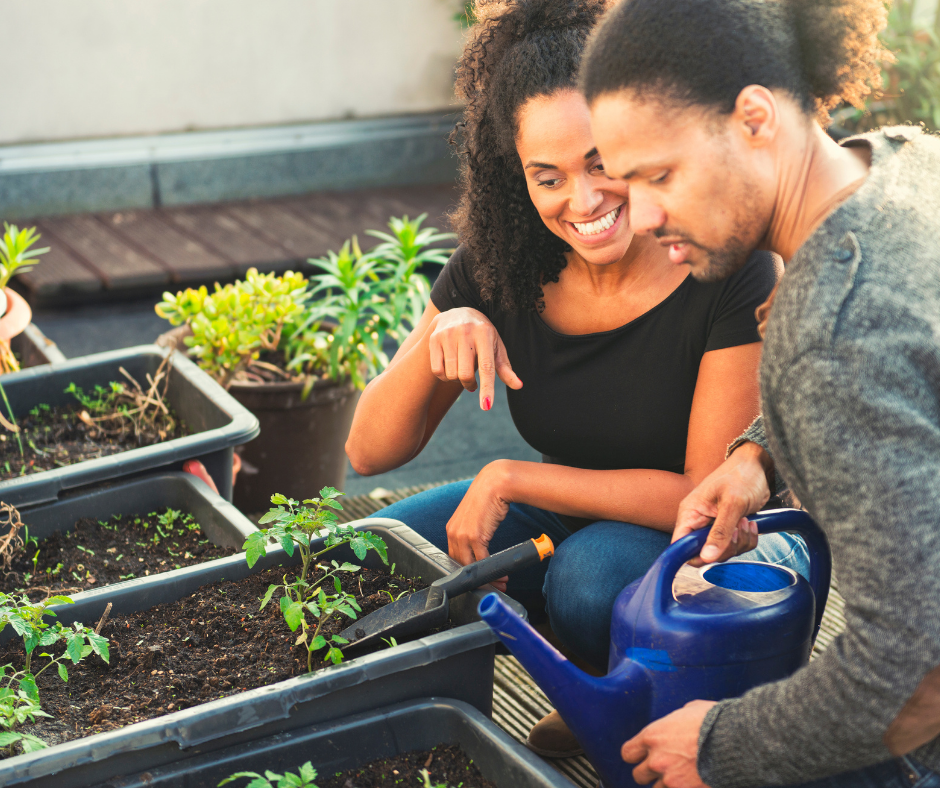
x=19, y=693
x=15, y=251
x=911, y=79
x=296, y=526
x=234, y=324
x=332, y=327
x=16, y=708
x=303, y=779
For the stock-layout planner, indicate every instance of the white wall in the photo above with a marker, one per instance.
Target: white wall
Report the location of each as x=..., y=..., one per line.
x=101, y=68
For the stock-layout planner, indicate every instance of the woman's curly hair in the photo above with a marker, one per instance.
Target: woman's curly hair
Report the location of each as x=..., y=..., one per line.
x=704, y=52
x=518, y=49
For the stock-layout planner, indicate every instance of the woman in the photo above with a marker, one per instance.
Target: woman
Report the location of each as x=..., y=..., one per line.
x=629, y=376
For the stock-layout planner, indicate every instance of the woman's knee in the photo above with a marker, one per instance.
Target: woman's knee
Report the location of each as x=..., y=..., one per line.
x=585, y=576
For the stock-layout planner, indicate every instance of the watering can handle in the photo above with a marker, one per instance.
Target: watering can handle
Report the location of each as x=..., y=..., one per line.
x=663, y=572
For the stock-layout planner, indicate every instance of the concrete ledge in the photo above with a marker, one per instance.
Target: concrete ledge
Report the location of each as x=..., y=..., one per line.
x=201, y=167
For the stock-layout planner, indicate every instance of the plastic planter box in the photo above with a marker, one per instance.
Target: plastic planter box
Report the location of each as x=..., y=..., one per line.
x=355, y=741
x=217, y=421
x=221, y=522
x=35, y=348
x=457, y=663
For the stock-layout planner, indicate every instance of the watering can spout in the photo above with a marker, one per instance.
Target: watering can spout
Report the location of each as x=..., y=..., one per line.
x=602, y=712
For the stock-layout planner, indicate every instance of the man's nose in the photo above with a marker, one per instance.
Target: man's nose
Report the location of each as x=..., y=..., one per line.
x=645, y=215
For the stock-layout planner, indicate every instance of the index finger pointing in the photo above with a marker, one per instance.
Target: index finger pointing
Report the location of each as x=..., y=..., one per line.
x=486, y=363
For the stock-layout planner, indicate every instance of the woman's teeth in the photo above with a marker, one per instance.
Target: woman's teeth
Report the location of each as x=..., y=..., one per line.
x=599, y=225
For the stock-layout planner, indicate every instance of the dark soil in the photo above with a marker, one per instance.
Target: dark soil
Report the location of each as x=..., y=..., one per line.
x=53, y=437
x=100, y=552
x=180, y=654
x=445, y=764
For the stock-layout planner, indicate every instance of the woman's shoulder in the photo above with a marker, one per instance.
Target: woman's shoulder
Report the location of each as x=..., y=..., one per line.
x=456, y=285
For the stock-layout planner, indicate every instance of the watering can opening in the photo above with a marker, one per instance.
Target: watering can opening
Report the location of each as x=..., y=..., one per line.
x=750, y=576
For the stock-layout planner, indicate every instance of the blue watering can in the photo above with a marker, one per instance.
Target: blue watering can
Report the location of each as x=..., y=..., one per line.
x=680, y=634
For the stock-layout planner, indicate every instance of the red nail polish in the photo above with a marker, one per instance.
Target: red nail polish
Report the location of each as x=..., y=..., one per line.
x=486, y=403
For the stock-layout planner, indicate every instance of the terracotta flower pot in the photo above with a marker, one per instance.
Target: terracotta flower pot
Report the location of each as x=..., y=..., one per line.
x=16, y=316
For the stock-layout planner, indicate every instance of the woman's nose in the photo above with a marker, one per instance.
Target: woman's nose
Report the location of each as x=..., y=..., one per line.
x=586, y=198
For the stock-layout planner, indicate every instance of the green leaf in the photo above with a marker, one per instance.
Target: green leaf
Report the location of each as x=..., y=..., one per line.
x=332, y=504
x=268, y=594
x=31, y=743
x=59, y=600
x=329, y=492
x=348, y=567
x=360, y=547
x=28, y=685
x=63, y=673
x=287, y=543
x=293, y=615
x=334, y=655
x=86, y=651
x=269, y=516
x=257, y=782
x=74, y=645
x=100, y=645
x=308, y=773
x=255, y=547
x=8, y=737
x=317, y=643
x=279, y=500
x=341, y=640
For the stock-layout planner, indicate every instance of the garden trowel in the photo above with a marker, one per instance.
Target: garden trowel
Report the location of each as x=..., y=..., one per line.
x=428, y=608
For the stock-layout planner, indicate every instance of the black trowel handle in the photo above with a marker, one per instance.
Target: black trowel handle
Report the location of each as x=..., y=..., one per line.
x=508, y=561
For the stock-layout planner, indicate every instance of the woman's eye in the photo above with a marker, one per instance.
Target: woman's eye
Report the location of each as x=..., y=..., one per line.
x=598, y=167
x=550, y=183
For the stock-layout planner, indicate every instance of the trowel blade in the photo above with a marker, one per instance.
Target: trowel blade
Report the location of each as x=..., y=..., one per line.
x=406, y=616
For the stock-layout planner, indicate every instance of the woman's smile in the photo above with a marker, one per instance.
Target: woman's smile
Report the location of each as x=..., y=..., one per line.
x=601, y=229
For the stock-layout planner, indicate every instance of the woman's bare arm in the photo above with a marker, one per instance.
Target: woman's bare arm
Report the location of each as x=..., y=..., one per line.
x=401, y=408
x=726, y=400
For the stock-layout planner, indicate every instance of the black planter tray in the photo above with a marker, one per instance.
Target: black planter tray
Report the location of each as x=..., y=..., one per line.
x=35, y=348
x=221, y=522
x=355, y=741
x=217, y=421
x=457, y=663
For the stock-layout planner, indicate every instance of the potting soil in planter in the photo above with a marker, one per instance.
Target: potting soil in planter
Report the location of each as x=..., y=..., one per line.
x=175, y=655
x=100, y=552
x=446, y=764
x=52, y=437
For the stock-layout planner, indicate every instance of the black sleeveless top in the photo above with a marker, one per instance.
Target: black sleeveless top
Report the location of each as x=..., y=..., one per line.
x=620, y=398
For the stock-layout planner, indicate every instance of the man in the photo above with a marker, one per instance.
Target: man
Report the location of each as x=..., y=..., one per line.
x=709, y=109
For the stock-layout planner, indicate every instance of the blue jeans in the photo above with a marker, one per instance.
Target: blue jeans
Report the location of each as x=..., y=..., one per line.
x=900, y=773
x=578, y=586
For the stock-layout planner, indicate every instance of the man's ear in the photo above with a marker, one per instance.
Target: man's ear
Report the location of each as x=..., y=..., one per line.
x=756, y=116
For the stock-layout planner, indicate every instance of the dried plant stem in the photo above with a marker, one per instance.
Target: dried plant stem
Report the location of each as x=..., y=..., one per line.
x=11, y=542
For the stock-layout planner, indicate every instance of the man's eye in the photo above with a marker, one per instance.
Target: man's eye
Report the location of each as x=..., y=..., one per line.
x=598, y=167
x=660, y=178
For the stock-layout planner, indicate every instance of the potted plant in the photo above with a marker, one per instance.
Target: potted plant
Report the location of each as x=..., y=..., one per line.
x=113, y=415
x=201, y=665
x=16, y=256
x=428, y=742
x=297, y=351
x=112, y=533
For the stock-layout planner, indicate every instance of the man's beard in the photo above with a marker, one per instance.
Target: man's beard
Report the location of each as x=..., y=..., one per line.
x=723, y=262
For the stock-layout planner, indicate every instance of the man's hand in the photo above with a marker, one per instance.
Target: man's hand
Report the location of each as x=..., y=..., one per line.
x=666, y=750
x=735, y=488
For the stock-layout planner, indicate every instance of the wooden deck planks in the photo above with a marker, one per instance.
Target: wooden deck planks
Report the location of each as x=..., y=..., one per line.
x=278, y=223
x=229, y=238
x=119, y=265
x=184, y=258
x=59, y=272
x=143, y=252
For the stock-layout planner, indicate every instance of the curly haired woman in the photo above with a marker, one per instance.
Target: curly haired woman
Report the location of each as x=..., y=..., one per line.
x=628, y=375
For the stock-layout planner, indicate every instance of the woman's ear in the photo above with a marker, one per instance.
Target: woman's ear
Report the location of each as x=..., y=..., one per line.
x=756, y=116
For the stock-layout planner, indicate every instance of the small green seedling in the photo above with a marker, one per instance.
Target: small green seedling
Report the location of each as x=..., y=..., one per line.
x=296, y=526
x=19, y=693
x=16, y=708
x=304, y=779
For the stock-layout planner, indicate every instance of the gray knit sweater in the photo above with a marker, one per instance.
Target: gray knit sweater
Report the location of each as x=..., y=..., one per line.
x=850, y=387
